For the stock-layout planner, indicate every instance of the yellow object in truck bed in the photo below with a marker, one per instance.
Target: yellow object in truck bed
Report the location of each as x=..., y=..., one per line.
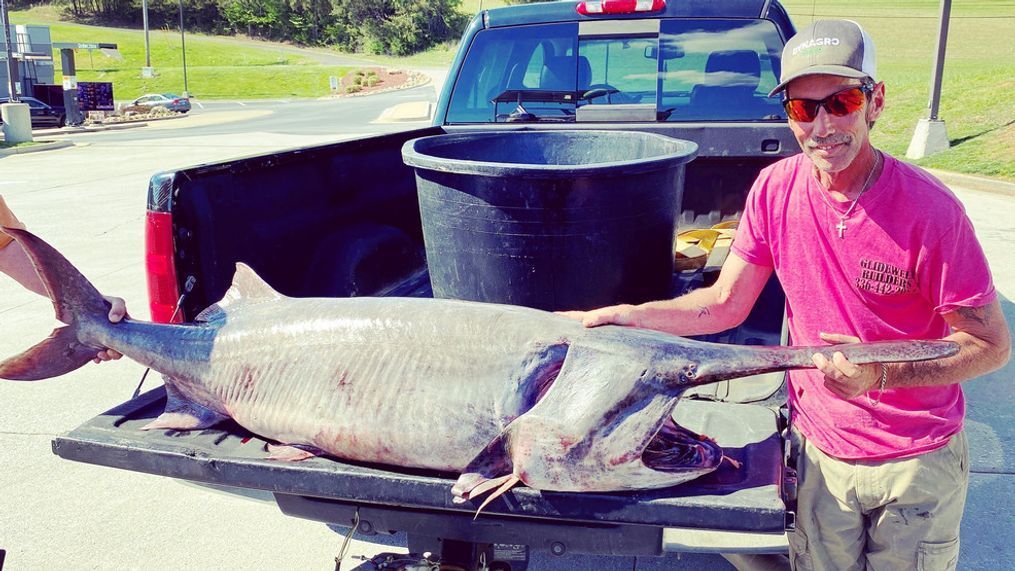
x=704, y=247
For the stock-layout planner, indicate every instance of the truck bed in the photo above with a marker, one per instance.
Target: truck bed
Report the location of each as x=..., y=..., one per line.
x=746, y=498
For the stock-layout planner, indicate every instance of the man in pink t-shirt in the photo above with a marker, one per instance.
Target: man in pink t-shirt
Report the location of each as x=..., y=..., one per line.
x=866, y=248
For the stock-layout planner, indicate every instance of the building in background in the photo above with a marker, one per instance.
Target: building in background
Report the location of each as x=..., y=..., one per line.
x=32, y=48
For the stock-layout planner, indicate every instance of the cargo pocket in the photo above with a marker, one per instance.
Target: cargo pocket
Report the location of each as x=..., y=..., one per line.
x=799, y=556
x=937, y=556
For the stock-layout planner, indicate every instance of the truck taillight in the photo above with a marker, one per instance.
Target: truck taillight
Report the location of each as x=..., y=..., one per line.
x=591, y=7
x=163, y=293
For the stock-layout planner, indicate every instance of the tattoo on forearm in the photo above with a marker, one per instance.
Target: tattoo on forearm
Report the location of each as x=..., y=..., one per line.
x=703, y=311
x=977, y=314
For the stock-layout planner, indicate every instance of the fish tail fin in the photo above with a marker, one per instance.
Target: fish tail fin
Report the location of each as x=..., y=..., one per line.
x=76, y=302
x=58, y=354
x=744, y=361
x=74, y=298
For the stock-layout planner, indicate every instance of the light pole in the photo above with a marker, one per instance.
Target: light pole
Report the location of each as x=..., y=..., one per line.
x=183, y=44
x=930, y=135
x=12, y=67
x=147, y=47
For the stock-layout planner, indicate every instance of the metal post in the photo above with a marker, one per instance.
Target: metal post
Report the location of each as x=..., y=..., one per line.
x=931, y=135
x=183, y=44
x=939, y=61
x=147, y=47
x=12, y=68
x=71, y=104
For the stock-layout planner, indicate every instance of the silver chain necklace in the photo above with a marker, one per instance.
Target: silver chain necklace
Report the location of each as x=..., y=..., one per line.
x=841, y=226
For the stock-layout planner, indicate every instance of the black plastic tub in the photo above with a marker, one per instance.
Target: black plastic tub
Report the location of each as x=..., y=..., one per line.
x=550, y=219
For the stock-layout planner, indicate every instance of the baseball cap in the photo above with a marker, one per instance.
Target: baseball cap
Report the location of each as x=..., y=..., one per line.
x=830, y=47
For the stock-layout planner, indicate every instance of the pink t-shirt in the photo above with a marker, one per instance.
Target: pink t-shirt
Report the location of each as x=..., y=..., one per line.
x=909, y=255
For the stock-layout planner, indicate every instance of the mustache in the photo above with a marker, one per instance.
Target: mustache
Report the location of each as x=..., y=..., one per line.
x=836, y=139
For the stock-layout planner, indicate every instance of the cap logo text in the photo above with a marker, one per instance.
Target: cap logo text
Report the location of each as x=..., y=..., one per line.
x=815, y=42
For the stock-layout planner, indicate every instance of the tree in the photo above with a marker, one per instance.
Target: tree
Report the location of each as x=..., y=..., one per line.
x=396, y=27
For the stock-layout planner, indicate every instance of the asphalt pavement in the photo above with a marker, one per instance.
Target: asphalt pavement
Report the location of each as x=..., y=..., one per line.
x=89, y=201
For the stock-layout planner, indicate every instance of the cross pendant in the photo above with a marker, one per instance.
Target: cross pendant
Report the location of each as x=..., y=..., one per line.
x=841, y=227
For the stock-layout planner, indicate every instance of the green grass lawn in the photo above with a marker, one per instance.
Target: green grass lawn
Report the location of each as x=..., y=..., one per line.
x=216, y=67
x=978, y=88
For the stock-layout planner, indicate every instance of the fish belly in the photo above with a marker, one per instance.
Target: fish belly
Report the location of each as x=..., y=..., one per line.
x=389, y=383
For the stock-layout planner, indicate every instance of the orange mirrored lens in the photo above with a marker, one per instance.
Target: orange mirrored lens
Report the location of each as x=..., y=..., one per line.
x=839, y=104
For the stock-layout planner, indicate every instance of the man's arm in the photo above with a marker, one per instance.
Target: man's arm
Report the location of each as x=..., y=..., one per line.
x=723, y=305
x=984, y=346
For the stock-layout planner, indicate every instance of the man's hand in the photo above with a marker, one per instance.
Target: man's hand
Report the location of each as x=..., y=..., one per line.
x=843, y=378
x=117, y=311
x=614, y=314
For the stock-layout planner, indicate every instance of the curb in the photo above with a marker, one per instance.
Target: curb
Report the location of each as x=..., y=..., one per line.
x=110, y=127
x=416, y=80
x=96, y=129
x=974, y=182
x=42, y=146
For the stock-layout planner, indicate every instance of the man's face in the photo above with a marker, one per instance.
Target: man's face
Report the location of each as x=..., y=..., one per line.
x=832, y=143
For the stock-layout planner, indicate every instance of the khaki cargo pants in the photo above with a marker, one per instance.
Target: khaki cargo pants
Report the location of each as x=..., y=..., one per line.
x=883, y=516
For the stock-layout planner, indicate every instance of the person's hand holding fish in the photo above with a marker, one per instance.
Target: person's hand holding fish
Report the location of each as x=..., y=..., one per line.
x=846, y=379
x=611, y=315
x=117, y=311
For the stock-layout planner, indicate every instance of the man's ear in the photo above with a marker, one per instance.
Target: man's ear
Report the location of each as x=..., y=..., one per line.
x=877, y=103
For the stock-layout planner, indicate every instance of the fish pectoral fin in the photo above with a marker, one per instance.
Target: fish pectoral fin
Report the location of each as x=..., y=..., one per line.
x=486, y=486
x=291, y=452
x=505, y=483
x=188, y=416
x=489, y=465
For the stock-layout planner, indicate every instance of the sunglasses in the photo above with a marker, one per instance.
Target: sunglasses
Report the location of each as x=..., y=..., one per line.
x=840, y=104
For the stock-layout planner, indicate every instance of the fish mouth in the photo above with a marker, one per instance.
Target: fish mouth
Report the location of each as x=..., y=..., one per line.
x=676, y=449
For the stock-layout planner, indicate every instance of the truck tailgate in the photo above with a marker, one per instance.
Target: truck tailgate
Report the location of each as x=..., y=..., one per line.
x=747, y=498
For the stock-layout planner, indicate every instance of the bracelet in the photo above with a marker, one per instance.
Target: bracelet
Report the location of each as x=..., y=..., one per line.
x=881, y=387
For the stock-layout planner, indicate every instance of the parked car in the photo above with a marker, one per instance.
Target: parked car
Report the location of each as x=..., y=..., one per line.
x=43, y=115
x=167, y=100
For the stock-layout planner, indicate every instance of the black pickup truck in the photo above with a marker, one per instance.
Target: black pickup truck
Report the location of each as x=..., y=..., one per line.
x=343, y=220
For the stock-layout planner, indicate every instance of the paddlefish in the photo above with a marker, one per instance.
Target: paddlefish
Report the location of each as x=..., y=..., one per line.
x=498, y=394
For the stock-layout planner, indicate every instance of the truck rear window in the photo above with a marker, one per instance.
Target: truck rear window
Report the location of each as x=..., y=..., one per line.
x=632, y=70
